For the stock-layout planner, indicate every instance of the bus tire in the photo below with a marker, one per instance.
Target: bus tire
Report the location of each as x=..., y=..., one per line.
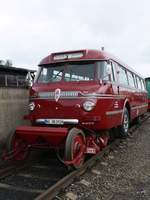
x=124, y=128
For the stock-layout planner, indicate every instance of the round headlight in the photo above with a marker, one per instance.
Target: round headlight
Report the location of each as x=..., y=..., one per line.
x=31, y=106
x=88, y=105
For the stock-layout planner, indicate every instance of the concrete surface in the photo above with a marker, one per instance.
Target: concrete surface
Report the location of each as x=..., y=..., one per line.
x=13, y=106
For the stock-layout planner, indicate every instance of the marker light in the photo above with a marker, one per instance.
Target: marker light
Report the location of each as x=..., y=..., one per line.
x=88, y=105
x=31, y=106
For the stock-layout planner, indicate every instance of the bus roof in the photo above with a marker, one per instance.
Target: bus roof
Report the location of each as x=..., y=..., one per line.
x=81, y=55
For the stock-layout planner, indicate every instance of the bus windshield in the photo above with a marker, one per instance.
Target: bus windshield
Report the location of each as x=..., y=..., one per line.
x=69, y=72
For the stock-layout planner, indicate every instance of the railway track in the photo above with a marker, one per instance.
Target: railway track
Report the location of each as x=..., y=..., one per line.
x=28, y=180
x=44, y=179
x=67, y=180
x=11, y=167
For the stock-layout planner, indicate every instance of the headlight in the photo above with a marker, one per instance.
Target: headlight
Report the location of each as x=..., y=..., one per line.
x=31, y=106
x=88, y=105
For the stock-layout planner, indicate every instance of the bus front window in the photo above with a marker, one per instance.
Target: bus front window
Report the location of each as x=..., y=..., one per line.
x=50, y=74
x=79, y=72
x=73, y=72
x=68, y=72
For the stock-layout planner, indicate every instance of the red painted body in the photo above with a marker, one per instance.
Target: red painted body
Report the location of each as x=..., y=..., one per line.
x=53, y=136
x=110, y=98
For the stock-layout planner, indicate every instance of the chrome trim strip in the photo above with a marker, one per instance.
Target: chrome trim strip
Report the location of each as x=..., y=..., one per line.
x=74, y=95
x=142, y=106
x=62, y=94
x=102, y=95
x=51, y=98
x=57, y=121
x=114, y=112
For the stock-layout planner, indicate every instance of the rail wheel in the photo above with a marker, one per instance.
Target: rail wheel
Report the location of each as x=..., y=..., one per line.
x=75, y=148
x=124, y=128
x=17, y=147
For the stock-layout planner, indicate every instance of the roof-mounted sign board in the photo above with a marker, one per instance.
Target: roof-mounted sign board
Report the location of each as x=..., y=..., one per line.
x=67, y=56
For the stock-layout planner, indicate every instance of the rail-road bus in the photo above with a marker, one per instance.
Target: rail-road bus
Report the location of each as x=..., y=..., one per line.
x=76, y=99
x=147, y=81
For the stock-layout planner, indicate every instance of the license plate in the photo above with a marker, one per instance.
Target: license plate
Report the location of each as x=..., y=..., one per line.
x=56, y=121
x=90, y=150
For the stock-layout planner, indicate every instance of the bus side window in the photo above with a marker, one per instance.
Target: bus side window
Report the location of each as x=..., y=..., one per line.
x=142, y=84
x=135, y=83
x=138, y=83
x=122, y=76
x=130, y=79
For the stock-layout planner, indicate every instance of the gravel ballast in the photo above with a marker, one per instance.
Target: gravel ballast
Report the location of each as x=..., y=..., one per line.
x=123, y=175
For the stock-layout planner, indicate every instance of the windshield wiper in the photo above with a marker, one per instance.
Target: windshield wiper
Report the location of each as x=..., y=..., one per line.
x=57, y=74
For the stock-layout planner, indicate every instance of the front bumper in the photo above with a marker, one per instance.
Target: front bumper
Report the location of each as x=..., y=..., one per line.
x=55, y=137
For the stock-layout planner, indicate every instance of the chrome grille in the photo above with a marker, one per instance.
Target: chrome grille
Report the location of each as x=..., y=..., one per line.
x=62, y=94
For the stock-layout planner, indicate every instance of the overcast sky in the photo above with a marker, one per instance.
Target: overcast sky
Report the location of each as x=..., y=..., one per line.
x=31, y=29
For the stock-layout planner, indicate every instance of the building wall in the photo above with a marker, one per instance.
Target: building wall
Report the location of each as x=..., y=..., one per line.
x=13, y=106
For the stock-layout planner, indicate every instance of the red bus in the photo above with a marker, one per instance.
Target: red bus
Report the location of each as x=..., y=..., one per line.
x=77, y=97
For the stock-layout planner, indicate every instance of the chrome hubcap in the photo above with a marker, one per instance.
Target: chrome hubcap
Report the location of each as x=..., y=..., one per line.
x=126, y=122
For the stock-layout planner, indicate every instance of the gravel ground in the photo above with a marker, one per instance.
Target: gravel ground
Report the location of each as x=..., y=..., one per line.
x=123, y=175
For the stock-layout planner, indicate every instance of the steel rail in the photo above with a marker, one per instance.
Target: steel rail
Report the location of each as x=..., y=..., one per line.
x=68, y=179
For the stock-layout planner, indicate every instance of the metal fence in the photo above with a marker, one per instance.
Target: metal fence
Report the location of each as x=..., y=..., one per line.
x=13, y=81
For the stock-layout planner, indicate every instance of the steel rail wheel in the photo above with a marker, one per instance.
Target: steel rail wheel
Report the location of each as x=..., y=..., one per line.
x=75, y=148
x=17, y=147
x=124, y=128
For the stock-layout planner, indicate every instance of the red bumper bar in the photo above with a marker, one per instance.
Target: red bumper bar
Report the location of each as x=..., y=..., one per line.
x=54, y=136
